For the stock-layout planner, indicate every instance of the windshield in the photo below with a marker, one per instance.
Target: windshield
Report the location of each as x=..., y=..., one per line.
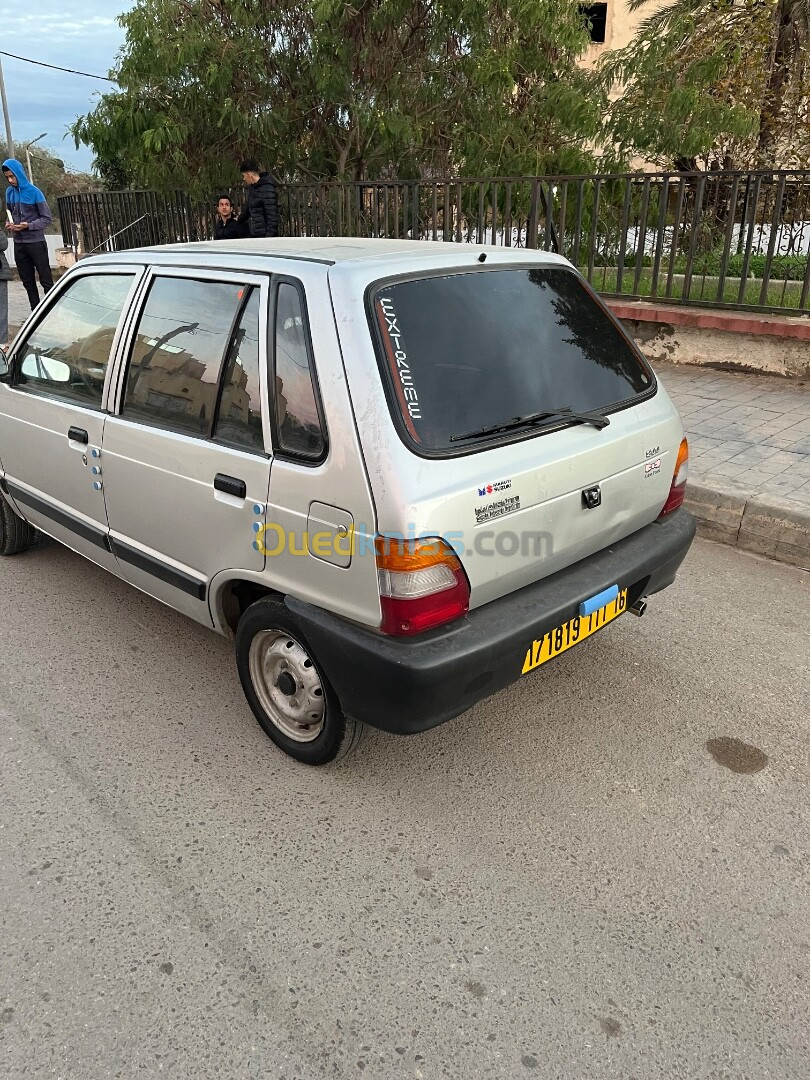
x=469, y=353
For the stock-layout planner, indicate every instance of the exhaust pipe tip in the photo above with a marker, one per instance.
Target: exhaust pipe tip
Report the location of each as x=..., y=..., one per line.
x=638, y=608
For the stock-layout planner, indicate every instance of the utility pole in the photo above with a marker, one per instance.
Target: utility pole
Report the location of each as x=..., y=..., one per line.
x=9, y=140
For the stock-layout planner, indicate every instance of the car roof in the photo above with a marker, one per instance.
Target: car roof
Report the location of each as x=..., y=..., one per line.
x=334, y=250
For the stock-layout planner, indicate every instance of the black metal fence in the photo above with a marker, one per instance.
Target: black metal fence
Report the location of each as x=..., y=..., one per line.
x=721, y=239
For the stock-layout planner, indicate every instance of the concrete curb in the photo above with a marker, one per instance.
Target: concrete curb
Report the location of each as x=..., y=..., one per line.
x=795, y=326
x=764, y=524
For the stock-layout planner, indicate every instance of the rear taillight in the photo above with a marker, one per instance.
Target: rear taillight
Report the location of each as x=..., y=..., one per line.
x=422, y=584
x=678, y=486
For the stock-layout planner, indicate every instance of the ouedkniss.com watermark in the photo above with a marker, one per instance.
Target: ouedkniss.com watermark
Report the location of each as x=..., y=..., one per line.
x=272, y=540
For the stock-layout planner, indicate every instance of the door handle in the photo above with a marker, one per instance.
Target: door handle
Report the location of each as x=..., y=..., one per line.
x=78, y=434
x=231, y=485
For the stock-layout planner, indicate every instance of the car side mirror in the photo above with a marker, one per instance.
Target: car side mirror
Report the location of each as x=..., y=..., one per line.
x=36, y=366
x=5, y=369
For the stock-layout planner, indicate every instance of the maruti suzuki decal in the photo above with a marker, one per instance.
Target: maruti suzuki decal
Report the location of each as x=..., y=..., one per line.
x=489, y=489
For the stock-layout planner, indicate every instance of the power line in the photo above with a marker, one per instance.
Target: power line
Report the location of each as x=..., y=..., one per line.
x=55, y=67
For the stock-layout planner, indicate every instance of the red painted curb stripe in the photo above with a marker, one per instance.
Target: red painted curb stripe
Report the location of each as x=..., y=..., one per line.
x=783, y=326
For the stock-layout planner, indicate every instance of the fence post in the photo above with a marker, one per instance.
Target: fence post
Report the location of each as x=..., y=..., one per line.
x=693, y=239
x=749, y=240
x=775, y=226
x=663, y=199
x=728, y=238
x=625, y=221
x=641, y=239
x=597, y=189
x=550, y=241
x=534, y=215
x=563, y=208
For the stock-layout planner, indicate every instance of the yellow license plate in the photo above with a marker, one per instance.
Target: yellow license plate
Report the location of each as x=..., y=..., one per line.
x=571, y=633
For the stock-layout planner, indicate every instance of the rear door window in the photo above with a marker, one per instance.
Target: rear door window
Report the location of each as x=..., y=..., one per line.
x=178, y=352
x=468, y=351
x=239, y=416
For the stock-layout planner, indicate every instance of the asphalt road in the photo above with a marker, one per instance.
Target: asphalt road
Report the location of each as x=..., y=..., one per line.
x=564, y=883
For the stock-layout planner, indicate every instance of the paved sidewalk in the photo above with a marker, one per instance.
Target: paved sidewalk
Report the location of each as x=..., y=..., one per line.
x=749, y=458
x=18, y=307
x=746, y=431
x=749, y=453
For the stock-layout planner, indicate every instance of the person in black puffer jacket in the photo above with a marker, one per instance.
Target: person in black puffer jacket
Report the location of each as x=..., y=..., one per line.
x=261, y=205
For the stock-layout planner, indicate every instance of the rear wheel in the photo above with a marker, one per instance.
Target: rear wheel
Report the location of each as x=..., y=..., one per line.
x=288, y=693
x=15, y=534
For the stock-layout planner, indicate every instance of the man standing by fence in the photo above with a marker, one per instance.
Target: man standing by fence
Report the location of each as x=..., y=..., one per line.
x=227, y=225
x=30, y=217
x=261, y=205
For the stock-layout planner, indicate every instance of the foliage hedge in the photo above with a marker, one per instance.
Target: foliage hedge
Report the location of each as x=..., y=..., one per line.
x=783, y=267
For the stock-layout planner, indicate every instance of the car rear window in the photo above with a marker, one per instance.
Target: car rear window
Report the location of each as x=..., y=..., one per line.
x=467, y=351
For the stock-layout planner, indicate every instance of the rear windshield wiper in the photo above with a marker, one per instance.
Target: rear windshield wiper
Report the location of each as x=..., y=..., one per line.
x=598, y=420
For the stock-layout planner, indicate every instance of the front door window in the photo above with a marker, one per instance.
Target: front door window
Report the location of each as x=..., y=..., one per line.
x=67, y=353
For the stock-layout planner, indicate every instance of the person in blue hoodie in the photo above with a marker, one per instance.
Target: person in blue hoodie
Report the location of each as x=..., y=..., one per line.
x=5, y=277
x=30, y=217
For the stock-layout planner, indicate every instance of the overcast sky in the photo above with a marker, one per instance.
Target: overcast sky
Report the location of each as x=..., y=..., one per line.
x=83, y=36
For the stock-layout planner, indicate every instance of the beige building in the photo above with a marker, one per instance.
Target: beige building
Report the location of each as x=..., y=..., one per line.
x=613, y=25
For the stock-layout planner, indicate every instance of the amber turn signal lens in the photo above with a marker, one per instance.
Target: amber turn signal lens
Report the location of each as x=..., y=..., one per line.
x=677, y=488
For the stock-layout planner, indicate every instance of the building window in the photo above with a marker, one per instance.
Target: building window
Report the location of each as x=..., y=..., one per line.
x=596, y=19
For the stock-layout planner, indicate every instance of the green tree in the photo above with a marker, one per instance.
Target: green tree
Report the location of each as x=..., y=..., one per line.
x=784, y=117
x=718, y=83
x=528, y=107
x=362, y=90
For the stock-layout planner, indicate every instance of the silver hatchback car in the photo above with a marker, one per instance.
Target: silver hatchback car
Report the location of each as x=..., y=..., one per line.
x=401, y=475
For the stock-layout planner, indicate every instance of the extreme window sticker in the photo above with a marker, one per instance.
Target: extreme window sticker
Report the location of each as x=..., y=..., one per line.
x=398, y=362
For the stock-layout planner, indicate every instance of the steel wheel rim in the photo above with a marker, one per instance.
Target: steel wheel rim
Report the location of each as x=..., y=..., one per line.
x=277, y=661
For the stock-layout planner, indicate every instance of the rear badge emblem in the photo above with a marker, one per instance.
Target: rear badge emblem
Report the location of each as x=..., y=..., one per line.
x=592, y=497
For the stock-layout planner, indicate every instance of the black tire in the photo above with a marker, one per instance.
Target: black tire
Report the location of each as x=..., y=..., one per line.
x=15, y=534
x=288, y=692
